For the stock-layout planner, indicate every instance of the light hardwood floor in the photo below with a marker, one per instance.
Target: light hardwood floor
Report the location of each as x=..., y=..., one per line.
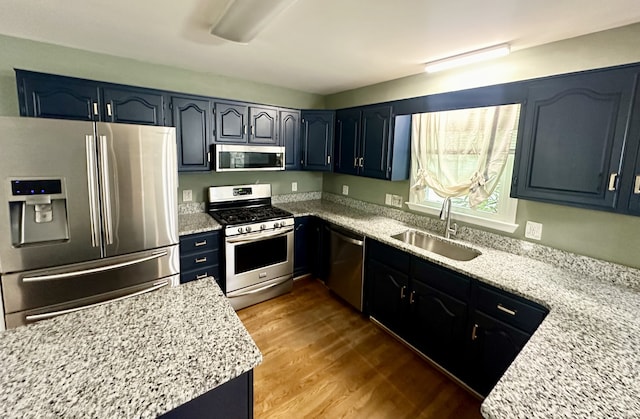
x=322, y=359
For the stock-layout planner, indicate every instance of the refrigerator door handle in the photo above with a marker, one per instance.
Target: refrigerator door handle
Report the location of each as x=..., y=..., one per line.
x=93, y=190
x=106, y=190
x=50, y=314
x=82, y=272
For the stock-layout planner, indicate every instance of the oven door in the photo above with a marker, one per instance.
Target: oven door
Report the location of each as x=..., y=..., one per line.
x=258, y=257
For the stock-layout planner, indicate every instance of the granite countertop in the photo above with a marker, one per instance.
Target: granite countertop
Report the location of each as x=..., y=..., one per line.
x=583, y=361
x=138, y=357
x=198, y=222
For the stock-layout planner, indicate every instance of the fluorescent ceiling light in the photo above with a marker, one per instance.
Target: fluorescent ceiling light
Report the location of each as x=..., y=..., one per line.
x=244, y=19
x=468, y=58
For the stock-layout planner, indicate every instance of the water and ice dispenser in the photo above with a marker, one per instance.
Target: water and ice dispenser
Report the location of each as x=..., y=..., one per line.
x=38, y=211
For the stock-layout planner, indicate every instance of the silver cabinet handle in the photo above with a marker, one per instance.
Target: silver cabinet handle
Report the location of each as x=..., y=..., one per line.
x=82, y=272
x=204, y=275
x=244, y=129
x=106, y=190
x=95, y=108
x=411, y=297
x=71, y=310
x=109, y=109
x=253, y=130
x=328, y=159
x=92, y=183
x=202, y=243
x=612, y=181
x=474, y=332
x=361, y=161
x=201, y=260
x=355, y=162
x=404, y=287
x=636, y=186
x=506, y=310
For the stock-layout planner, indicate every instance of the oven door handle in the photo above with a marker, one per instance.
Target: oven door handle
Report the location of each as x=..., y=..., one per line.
x=259, y=235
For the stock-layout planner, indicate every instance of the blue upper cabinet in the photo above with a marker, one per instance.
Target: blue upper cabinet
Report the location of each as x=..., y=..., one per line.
x=372, y=142
x=572, y=137
x=263, y=125
x=131, y=105
x=240, y=123
x=192, y=117
x=290, y=138
x=317, y=140
x=347, y=142
x=232, y=122
x=47, y=96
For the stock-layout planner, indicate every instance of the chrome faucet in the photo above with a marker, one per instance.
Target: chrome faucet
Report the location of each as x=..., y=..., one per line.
x=445, y=215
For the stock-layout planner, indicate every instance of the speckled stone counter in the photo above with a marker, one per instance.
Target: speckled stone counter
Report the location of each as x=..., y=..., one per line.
x=582, y=362
x=135, y=358
x=196, y=223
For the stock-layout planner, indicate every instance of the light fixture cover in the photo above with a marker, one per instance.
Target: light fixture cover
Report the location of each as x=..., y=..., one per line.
x=244, y=19
x=468, y=58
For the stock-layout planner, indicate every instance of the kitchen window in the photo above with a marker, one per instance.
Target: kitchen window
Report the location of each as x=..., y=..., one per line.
x=467, y=155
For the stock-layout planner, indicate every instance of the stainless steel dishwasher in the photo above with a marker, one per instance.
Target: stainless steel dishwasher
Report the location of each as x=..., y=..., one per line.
x=345, y=273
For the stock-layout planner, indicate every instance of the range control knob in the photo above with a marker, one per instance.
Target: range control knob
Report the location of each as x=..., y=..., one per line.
x=240, y=230
x=263, y=226
x=248, y=229
x=276, y=224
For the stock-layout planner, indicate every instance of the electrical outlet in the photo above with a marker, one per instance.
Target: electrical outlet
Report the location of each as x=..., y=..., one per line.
x=345, y=189
x=396, y=201
x=533, y=230
x=294, y=186
x=187, y=195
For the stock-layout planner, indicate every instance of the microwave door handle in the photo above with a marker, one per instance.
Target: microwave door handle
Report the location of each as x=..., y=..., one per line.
x=259, y=235
x=156, y=286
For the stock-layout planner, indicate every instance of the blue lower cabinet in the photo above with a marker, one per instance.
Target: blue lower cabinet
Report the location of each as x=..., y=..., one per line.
x=200, y=257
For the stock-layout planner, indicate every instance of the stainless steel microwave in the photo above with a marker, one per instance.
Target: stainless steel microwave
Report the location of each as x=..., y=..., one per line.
x=238, y=158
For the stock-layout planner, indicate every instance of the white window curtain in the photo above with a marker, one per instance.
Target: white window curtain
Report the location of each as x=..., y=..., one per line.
x=461, y=152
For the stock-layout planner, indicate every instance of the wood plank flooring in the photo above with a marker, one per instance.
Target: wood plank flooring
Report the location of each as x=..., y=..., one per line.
x=322, y=359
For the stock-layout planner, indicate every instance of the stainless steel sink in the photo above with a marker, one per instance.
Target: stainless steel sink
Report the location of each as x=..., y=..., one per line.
x=431, y=244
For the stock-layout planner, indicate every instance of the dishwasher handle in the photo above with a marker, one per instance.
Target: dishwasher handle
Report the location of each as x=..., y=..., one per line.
x=347, y=238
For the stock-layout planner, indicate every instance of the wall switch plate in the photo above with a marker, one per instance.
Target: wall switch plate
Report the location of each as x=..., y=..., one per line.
x=387, y=199
x=533, y=230
x=187, y=195
x=294, y=186
x=345, y=189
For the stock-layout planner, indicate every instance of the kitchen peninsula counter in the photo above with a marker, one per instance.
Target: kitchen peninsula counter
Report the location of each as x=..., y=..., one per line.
x=139, y=357
x=582, y=361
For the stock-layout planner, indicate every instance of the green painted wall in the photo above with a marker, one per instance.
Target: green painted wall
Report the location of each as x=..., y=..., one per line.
x=280, y=182
x=598, y=234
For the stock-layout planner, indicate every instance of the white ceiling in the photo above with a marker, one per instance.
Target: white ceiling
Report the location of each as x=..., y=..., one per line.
x=318, y=46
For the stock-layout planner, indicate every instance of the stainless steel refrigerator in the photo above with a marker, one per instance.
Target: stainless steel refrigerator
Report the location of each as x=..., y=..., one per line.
x=88, y=214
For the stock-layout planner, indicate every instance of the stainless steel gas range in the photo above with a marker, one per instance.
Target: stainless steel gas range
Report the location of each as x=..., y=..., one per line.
x=258, y=243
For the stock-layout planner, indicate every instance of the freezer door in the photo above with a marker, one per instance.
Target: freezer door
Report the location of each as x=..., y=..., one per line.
x=138, y=175
x=56, y=152
x=39, y=294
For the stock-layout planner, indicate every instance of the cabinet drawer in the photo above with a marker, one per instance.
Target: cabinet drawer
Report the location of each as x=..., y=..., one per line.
x=390, y=256
x=199, y=242
x=510, y=309
x=199, y=273
x=441, y=279
x=197, y=260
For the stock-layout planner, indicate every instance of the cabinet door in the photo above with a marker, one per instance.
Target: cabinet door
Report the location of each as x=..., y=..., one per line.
x=347, y=148
x=317, y=140
x=191, y=117
x=494, y=347
x=301, y=240
x=48, y=96
x=133, y=106
x=438, y=326
x=388, y=296
x=376, y=126
x=263, y=125
x=231, y=123
x=290, y=139
x=571, y=139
